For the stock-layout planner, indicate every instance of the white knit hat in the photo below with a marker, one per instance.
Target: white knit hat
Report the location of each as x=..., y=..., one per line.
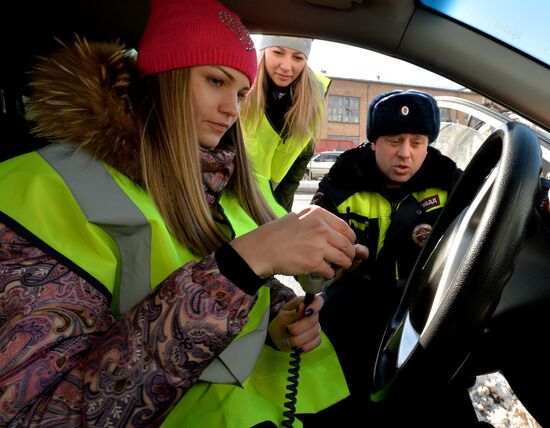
x=298, y=43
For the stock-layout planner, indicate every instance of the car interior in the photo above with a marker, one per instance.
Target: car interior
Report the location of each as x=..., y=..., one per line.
x=479, y=297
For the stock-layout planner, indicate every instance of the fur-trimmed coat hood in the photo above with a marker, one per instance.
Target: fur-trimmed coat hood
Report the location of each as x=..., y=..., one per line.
x=81, y=94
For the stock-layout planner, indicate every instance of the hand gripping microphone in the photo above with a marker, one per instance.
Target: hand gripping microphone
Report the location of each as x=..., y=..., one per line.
x=315, y=283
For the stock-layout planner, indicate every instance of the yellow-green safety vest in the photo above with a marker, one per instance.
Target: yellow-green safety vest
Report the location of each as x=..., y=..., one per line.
x=108, y=227
x=271, y=156
x=373, y=205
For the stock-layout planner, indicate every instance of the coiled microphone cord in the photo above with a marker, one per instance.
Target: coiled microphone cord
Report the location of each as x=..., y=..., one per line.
x=292, y=387
x=312, y=284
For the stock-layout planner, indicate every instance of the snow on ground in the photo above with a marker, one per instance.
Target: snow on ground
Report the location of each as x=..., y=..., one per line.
x=495, y=403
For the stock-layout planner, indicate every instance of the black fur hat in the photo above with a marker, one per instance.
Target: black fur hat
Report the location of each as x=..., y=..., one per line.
x=399, y=112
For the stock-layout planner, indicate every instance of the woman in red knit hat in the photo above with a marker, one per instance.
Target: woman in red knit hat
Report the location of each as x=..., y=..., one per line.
x=135, y=260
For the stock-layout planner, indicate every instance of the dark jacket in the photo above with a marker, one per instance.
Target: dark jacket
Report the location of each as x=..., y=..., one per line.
x=354, y=174
x=285, y=191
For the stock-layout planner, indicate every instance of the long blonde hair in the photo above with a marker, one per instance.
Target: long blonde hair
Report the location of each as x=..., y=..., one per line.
x=171, y=167
x=302, y=119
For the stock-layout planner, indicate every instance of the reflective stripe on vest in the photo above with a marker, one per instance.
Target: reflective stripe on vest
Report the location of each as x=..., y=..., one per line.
x=106, y=205
x=262, y=397
x=271, y=156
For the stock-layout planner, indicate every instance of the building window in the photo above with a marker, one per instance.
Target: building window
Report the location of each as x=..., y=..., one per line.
x=343, y=109
x=355, y=139
x=445, y=114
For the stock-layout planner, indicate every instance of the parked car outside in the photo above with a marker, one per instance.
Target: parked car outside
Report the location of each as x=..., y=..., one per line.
x=320, y=164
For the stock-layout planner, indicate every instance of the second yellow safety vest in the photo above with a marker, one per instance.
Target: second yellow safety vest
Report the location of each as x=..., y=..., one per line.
x=272, y=156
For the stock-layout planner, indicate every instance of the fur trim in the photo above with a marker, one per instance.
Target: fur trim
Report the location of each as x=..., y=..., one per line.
x=80, y=94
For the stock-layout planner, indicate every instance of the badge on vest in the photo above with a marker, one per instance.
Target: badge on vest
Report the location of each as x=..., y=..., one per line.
x=421, y=233
x=430, y=202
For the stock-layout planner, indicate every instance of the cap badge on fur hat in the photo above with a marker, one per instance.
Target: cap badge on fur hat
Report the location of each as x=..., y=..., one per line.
x=188, y=33
x=403, y=112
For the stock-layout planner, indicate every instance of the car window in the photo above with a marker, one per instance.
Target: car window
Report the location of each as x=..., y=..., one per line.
x=462, y=133
x=325, y=157
x=460, y=142
x=466, y=125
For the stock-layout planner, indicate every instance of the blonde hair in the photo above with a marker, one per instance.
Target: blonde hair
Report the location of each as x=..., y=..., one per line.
x=171, y=167
x=302, y=119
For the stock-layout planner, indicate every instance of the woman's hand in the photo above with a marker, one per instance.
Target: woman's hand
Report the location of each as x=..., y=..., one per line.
x=312, y=241
x=296, y=327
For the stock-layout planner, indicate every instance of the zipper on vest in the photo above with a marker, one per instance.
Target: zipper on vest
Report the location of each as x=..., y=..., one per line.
x=393, y=206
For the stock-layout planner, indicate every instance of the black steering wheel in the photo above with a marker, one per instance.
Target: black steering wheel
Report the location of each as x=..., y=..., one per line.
x=459, y=276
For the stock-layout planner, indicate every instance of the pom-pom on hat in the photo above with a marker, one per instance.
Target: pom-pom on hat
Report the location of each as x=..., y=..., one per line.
x=403, y=112
x=186, y=33
x=298, y=43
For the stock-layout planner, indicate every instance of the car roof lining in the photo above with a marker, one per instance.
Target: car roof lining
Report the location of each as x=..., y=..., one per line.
x=383, y=21
x=34, y=25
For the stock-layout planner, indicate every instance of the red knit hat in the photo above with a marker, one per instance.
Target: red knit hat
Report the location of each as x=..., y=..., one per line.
x=185, y=33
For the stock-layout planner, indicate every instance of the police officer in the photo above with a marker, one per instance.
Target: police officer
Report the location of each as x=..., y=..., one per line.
x=390, y=191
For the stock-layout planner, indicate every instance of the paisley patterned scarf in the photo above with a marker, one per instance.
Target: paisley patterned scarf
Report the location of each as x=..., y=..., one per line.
x=217, y=168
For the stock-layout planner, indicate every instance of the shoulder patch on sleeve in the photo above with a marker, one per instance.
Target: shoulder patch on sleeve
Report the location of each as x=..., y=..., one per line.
x=317, y=198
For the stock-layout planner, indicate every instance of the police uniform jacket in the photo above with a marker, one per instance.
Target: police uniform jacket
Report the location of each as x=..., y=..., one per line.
x=393, y=223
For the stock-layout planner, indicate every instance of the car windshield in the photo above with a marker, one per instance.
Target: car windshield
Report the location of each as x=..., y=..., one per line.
x=512, y=22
